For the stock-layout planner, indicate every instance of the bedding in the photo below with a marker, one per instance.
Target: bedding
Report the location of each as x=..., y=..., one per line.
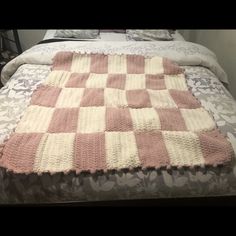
x=26, y=73
x=79, y=34
x=113, y=112
x=148, y=35
x=113, y=30
x=108, y=36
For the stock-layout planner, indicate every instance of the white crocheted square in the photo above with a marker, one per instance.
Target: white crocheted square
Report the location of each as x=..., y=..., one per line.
x=121, y=150
x=161, y=99
x=35, y=120
x=96, y=81
x=197, y=119
x=91, y=119
x=55, y=153
x=183, y=148
x=145, y=119
x=117, y=64
x=70, y=97
x=115, y=98
x=58, y=78
x=154, y=65
x=135, y=81
x=81, y=63
x=175, y=82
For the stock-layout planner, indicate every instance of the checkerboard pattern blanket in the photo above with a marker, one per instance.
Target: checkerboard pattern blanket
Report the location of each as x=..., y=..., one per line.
x=112, y=112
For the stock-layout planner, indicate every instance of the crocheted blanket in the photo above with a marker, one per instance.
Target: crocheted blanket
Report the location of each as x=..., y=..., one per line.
x=111, y=112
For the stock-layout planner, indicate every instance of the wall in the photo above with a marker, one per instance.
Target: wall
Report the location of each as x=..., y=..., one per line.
x=28, y=38
x=223, y=44
x=186, y=34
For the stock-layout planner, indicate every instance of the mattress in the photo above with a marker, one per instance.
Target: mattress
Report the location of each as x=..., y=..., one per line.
x=204, y=76
x=108, y=36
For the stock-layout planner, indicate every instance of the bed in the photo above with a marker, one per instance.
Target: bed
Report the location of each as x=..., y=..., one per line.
x=110, y=36
x=204, y=76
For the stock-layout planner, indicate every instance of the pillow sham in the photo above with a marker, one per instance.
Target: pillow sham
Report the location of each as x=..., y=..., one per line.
x=148, y=35
x=80, y=34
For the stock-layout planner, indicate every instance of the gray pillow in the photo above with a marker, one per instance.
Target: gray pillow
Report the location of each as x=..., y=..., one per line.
x=80, y=34
x=148, y=35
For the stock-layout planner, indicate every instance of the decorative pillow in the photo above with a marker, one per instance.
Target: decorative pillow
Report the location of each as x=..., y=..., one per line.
x=148, y=35
x=80, y=34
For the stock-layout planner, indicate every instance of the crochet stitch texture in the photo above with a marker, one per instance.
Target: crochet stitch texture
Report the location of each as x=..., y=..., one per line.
x=111, y=112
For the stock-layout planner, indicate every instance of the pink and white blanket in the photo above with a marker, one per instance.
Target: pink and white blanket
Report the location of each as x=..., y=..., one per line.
x=111, y=112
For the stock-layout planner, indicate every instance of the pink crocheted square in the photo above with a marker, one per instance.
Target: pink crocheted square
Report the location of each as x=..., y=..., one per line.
x=171, y=119
x=19, y=152
x=93, y=97
x=138, y=98
x=64, y=120
x=62, y=61
x=90, y=152
x=116, y=81
x=170, y=68
x=45, y=96
x=156, y=82
x=184, y=99
x=77, y=80
x=151, y=149
x=215, y=147
x=99, y=64
x=135, y=64
x=118, y=119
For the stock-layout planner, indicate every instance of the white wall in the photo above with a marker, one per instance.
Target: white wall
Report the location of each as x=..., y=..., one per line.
x=189, y=35
x=28, y=38
x=186, y=34
x=223, y=44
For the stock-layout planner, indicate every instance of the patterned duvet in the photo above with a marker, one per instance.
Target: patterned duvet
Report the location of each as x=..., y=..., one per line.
x=205, y=84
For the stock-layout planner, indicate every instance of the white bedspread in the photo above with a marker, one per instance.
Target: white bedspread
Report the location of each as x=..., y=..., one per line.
x=182, y=52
